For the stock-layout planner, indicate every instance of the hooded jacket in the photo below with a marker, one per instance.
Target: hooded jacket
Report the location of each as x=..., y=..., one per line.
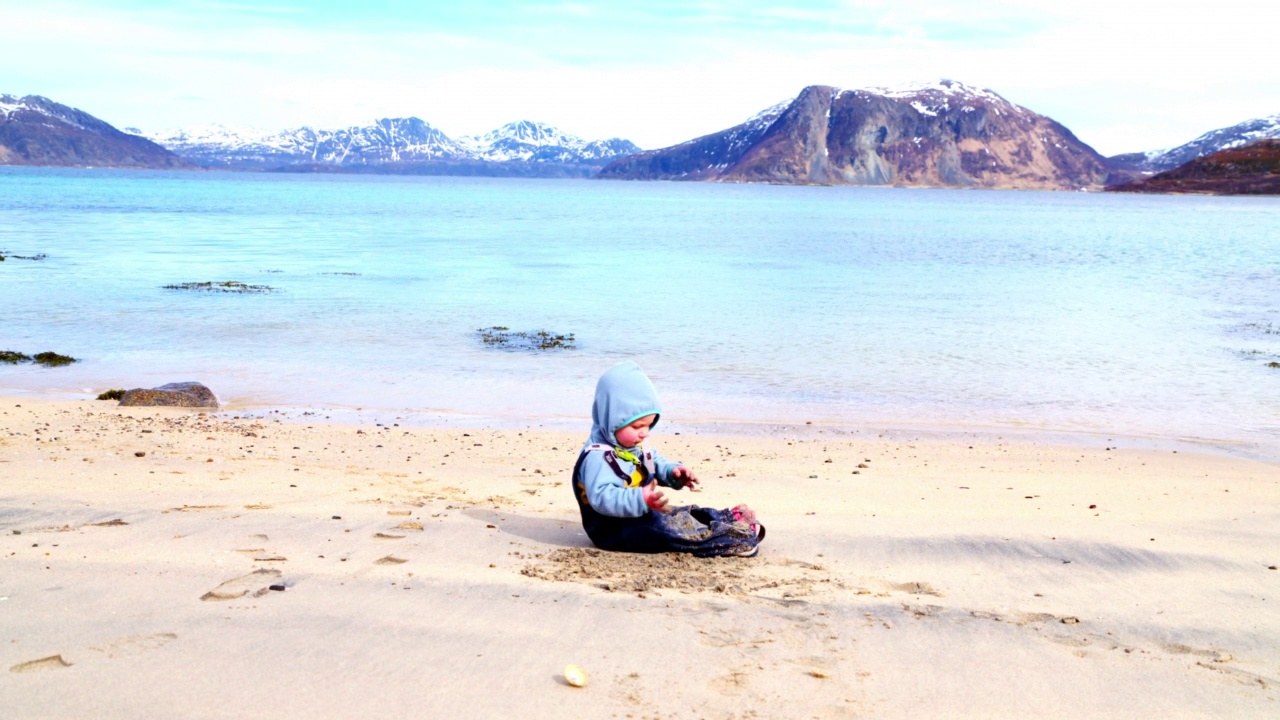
x=623, y=394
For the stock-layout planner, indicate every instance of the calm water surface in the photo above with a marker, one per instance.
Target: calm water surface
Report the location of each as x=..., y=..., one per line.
x=1073, y=312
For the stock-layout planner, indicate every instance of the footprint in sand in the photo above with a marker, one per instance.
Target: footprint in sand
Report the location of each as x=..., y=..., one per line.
x=923, y=611
x=257, y=582
x=134, y=645
x=194, y=508
x=110, y=523
x=1243, y=677
x=916, y=588
x=731, y=683
x=52, y=662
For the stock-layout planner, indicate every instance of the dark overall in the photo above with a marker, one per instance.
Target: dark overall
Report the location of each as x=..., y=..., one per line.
x=704, y=532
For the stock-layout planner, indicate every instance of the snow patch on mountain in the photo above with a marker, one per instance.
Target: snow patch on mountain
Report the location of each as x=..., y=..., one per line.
x=1249, y=131
x=10, y=104
x=768, y=116
x=934, y=97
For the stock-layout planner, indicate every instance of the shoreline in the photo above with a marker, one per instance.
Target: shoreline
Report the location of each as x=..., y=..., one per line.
x=173, y=562
x=712, y=425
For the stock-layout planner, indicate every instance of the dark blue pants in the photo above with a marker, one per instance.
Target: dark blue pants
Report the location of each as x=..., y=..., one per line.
x=704, y=532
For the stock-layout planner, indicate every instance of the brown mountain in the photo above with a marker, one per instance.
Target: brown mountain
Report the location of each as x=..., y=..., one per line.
x=1249, y=170
x=38, y=131
x=942, y=135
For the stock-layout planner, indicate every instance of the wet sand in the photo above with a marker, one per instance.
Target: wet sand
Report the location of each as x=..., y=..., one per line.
x=168, y=563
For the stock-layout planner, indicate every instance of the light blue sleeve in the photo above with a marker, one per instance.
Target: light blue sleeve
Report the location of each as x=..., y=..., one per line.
x=665, y=467
x=607, y=494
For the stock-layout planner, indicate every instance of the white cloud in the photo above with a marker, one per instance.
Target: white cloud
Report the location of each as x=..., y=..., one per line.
x=1121, y=76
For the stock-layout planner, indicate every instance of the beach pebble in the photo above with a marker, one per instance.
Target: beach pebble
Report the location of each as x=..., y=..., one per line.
x=185, y=394
x=140, y=453
x=575, y=676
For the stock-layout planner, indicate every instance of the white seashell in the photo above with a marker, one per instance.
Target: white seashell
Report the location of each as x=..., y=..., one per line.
x=575, y=676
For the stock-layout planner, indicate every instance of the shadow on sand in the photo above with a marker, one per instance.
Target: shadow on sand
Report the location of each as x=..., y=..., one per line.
x=560, y=532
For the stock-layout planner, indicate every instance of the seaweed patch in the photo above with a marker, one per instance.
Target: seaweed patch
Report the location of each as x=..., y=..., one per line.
x=112, y=394
x=1264, y=328
x=37, y=257
x=228, y=286
x=504, y=338
x=1269, y=358
x=52, y=359
x=47, y=358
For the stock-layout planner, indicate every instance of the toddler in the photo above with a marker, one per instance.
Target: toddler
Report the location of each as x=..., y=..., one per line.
x=615, y=482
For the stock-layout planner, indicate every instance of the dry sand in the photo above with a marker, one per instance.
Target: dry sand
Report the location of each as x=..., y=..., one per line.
x=167, y=563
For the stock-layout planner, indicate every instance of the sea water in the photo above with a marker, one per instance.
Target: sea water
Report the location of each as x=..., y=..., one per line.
x=1067, y=312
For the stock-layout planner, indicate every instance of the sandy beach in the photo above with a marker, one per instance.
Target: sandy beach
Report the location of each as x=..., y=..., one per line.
x=172, y=563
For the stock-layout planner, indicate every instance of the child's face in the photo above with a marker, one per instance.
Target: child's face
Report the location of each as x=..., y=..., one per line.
x=629, y=436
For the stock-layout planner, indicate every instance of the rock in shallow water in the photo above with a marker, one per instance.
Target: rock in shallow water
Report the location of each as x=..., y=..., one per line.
x=185, y=394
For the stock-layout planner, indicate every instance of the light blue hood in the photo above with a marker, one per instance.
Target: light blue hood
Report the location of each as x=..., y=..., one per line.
x=623, y=394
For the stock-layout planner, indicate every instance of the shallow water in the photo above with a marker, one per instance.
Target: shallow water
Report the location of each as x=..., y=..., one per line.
x=1063, y=312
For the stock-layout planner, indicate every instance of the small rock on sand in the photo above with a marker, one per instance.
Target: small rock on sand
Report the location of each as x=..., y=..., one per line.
x=184, y=394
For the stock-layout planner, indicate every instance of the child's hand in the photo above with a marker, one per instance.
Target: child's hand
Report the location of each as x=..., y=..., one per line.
x=686, y=477
x=653, y=497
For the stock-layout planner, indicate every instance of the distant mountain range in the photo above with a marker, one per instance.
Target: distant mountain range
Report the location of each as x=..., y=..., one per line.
x=1154, y=161
x=397, y=145
x=1249, y=169
x=943, y=134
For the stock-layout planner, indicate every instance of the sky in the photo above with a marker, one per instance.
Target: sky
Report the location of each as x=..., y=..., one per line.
x=1122, y=75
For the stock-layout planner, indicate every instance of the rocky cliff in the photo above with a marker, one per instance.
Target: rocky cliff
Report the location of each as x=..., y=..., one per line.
x=38, y=131
x=1249, y=170
x=941, y=135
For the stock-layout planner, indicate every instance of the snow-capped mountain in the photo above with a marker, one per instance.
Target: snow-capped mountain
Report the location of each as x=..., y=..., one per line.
x=935, y=134
x=396, y=144
x=35, y=130
x=539, y=142
x=389, y=140
x=1154, y=161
